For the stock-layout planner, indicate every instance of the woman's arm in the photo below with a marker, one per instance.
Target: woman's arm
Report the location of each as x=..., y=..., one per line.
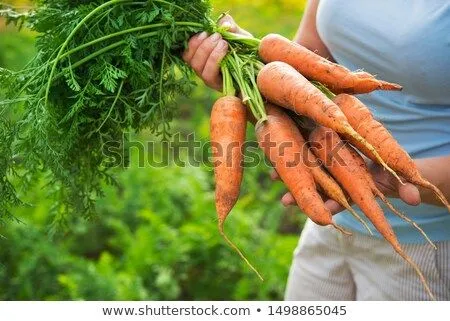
x=307, y=34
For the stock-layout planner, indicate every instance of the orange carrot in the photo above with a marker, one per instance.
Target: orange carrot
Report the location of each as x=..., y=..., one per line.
x=278, y=137
x=327, y=183
x=347, y=166
x=314, y=67
x=331, y=188
x=378, y=193
x=284, y=86
x=362, y=120
x=228, y=127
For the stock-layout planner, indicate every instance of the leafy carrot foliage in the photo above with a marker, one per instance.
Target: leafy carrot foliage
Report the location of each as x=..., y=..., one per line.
x=102, y=68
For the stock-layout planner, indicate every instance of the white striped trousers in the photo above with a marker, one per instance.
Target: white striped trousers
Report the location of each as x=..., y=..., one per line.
x=330, y=266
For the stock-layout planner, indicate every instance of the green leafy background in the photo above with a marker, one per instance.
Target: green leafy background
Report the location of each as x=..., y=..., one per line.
x=156, y=235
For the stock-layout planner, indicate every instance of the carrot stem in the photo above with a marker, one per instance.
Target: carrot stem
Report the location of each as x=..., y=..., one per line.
x=250, y=42
x=228, y=87
x=324, y=89
x=241, y=69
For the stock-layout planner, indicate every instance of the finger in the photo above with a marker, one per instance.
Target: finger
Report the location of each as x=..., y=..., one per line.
x=193, y=45
x=211, y=72
x=274, y=176
x=409, y=193
x=228, y=22
x=333, y=206
x=198, y=62
x=288, y=200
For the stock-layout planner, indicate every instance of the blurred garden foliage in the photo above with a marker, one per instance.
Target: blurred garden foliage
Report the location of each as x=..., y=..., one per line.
x=156, y=235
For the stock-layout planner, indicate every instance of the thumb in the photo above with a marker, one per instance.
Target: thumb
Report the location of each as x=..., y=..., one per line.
x=228, y=22
x=409, y=193
x=391, y=186
x=333, y=206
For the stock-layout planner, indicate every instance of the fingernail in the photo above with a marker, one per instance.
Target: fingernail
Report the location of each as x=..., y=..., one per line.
x=222, y=44
x=226, y=25
x=203, y=35
x=215, y=37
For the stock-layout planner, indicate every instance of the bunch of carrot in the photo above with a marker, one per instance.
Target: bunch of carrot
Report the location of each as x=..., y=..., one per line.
x=68, y=115
x=299, y=80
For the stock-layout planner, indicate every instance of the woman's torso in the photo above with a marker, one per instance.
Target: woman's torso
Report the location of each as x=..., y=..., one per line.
x=406, y=42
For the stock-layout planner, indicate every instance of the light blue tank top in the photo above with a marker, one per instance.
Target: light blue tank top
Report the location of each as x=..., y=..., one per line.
x=406, y=42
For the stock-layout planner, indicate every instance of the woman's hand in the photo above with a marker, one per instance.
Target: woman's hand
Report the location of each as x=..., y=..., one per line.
x=205, y=52
x=385, y=181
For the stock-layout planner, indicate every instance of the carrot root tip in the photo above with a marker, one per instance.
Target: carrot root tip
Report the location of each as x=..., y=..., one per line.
x=384, y=85
x=424, y=183
x=237, y=250
x=405, y=218
x=419, y=273
x=356, y=216
x=341, y=229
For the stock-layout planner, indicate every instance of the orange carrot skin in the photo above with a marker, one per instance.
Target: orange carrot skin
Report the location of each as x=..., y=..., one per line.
x=360, y=118
x=284, y=86
x=336, y=77
x=227, y=130
x=329, y=186
x=278, y=138
x=309, y=159
x=351, y=171
x=321, y=177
